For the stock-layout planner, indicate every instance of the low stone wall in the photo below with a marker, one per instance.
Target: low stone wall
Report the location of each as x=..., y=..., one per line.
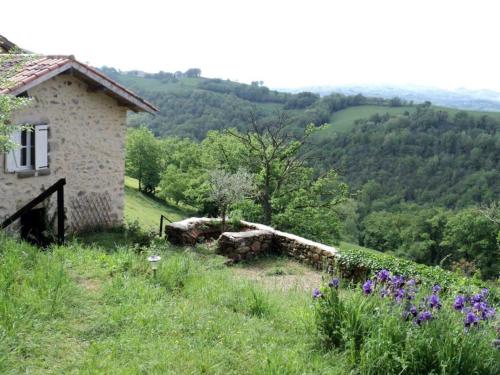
x=252, y=240
x=244, y=245
x=192, y=230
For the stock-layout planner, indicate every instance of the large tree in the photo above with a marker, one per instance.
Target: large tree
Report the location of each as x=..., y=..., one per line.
x=275, y=155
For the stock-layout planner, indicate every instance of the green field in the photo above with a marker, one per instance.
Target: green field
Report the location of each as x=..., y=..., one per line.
x=344, y=119
x=89, y=310
x=147, y=210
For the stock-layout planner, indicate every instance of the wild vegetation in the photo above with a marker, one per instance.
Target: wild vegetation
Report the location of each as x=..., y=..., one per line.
x=392, y=325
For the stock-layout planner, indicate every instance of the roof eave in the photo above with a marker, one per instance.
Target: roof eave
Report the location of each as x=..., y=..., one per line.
x=133, y=102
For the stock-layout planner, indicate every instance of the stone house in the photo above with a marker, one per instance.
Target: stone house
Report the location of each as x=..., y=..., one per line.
x=77, y=120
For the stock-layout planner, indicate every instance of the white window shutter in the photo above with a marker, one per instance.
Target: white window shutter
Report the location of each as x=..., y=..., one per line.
x=13, y=157
x=41, y=147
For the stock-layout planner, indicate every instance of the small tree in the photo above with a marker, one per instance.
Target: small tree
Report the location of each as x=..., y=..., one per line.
x=227, y=189
x=9, y=65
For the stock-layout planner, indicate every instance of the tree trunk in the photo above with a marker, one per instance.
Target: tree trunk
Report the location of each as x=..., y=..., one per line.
x=266, y=200
x=223, y=219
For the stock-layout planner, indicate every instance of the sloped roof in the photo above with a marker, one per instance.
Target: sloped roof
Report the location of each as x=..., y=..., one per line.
x=26, y=71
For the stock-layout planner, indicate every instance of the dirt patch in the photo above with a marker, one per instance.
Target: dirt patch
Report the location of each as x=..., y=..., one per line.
x=90, y=285
x=280, y=274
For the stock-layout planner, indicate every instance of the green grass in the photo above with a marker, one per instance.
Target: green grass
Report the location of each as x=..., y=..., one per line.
x=147, y=210
x=86, y=310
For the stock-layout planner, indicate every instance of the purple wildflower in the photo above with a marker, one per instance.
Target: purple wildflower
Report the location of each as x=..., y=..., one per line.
x=334, y=283
x=413, y=310
x=399, y=294
x=479, y=306
x=367, y=287
x=470, y=319
x=459, y=303
x=383, y=276
x=397, y=281
x=436, y=289
x=317, y=293
x=488, y=313
x=424, y=316
x=411, y=283
x=485, y=292
x=383, y=292
x=477, y=298
x=434, y=302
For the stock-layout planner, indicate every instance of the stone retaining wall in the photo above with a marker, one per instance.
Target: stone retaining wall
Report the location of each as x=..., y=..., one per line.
x=252, y=240
x=192, y=230
x=245, y=245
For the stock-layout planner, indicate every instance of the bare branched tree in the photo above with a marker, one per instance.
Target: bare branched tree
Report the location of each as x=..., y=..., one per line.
x=275, y=153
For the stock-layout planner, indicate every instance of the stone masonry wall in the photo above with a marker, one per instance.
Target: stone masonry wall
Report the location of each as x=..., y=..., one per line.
x=255, y=239
x=86, y=146
x=245, y=245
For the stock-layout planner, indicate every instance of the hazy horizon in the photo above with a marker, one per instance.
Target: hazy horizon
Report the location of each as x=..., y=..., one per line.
x=286, y=44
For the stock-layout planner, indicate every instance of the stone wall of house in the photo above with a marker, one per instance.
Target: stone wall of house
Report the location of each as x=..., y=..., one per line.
x=86, y=146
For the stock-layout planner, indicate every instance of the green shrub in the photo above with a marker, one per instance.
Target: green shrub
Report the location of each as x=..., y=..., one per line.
x=373, y=261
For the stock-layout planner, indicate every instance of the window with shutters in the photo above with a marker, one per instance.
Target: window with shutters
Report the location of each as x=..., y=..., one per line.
x=32, y=150
x=27, y=150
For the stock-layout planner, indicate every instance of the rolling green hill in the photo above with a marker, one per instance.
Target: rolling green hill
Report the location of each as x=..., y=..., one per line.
x=191, y=106
x=146, y=210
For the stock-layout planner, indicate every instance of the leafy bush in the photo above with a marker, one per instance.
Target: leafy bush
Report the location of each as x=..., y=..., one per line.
x=373, y=261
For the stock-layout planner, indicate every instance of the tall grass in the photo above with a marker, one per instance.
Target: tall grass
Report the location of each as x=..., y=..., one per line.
x=83, y=309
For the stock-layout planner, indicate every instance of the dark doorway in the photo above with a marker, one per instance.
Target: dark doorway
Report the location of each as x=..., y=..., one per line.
x=34, y=227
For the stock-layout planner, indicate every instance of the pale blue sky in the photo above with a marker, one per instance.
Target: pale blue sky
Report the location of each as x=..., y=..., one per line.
x=283, y=43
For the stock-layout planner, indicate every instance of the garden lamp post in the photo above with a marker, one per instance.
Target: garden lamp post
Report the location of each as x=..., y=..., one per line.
x=154, y=260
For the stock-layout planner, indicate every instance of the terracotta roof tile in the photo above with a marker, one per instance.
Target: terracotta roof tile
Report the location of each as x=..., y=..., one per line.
x=21, y=70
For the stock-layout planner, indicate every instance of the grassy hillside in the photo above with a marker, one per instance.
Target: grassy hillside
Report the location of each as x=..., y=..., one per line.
x=91, y=311
x=344, y=119
x=191, y=106
x=147, y=210
x=90, y=308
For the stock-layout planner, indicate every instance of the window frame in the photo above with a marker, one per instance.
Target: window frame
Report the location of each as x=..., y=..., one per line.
x=29, y=148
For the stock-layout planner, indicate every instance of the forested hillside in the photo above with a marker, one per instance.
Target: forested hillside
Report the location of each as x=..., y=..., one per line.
x=393, y=151
x=426, y=157
x=191, y=105
x=416, y=180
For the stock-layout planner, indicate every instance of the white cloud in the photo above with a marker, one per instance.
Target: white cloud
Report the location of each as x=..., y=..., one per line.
x=284, y=43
